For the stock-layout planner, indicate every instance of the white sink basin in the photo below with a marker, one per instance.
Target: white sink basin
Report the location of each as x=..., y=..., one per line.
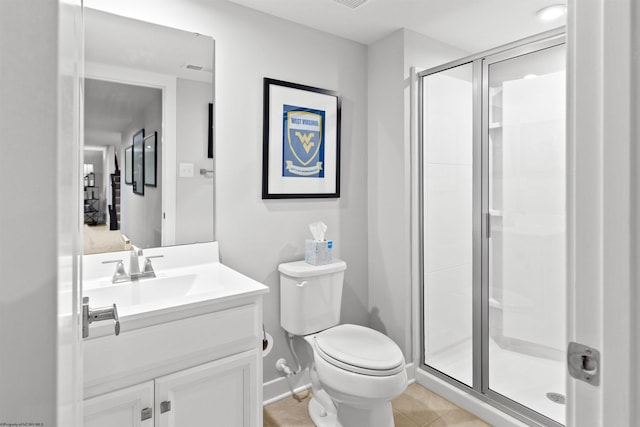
x=143, y=291
x=190, y=281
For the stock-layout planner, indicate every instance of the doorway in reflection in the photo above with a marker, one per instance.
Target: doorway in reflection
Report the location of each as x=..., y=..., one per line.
x=116, y=114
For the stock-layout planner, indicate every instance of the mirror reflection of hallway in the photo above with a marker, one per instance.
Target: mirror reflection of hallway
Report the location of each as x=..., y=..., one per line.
x=114, y=113
x=128, y=63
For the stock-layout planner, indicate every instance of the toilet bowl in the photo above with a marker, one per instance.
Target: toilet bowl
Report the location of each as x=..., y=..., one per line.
x=355, y=371
x=361, y=370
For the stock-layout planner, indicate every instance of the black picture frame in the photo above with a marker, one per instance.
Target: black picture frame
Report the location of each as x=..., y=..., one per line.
x=128, y=165
x=138, y=163
x=151, y=160
x=210, y=133
x=301, y=141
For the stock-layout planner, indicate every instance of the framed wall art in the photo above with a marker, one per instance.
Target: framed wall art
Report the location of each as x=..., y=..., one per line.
x=151, y=160
x=128, y=165
x=301, y=141
x=138, y=162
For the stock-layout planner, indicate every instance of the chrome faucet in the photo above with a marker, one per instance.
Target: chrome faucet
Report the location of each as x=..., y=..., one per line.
x=134, y=262
x=134, y=267
x=121, y=275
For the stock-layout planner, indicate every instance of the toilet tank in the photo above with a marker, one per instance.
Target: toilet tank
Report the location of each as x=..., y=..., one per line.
x=310, y=296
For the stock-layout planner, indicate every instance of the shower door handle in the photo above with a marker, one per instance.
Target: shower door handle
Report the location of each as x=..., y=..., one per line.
x=488, y=225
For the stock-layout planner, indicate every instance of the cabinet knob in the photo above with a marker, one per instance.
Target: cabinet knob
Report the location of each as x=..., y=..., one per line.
x=146, y=414
x=165, y=406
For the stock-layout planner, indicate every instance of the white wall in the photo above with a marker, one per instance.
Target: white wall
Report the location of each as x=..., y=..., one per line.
x=27, y=314
x=194, y=195
x=256, y=235
x=141, y=215
x=392, y=178
x=386, y=186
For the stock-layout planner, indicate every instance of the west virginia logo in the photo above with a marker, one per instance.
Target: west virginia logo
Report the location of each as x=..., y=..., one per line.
x=303, y=142
x=305, y=139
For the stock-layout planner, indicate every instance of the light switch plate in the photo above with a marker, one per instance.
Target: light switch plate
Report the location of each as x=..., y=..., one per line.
x=186, y=170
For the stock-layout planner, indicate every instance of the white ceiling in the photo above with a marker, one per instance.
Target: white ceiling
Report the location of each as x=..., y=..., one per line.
x=470, y=25
x=129, y=43
x=122, y=42
x=112, y=107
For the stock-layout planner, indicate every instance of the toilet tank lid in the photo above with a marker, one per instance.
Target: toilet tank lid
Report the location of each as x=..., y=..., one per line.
x=304, y=269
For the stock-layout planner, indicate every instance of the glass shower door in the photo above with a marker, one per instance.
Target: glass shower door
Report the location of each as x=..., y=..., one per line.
x=447, y=221
x=525, y=131
x=493, y=227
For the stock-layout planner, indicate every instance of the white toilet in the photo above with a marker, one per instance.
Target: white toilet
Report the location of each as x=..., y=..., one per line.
x=355, y=371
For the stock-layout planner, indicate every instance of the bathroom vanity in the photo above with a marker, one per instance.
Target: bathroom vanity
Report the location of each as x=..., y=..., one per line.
x=189, y=350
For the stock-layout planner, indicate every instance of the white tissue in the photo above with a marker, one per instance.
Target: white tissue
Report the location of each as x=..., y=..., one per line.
x=317, y=230
x=318, y=250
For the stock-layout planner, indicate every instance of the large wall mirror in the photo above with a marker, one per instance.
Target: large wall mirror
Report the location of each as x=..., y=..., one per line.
x=147, y=94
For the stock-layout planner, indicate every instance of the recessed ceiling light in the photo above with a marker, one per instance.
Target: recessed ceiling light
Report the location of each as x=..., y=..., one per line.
x=550, y=13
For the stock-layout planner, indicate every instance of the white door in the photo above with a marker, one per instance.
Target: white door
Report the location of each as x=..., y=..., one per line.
x=66, y=210
x=601, y=194
x=220, y=393
x=129, y=407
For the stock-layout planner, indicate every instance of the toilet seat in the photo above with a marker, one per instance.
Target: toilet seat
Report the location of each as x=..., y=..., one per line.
x=359, y=350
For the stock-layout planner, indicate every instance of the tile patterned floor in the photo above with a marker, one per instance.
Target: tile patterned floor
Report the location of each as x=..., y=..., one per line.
x=416, y=407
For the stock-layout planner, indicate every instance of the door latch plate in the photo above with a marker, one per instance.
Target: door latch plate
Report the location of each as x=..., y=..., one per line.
x=584, y=363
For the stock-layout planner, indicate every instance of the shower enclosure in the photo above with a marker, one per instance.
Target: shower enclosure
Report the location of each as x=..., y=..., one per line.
x=493, y=226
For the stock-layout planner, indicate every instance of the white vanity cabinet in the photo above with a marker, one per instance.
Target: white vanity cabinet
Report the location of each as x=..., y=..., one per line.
x=189, y=352
x=216, y=393
x=205, y=369
x=122, y=408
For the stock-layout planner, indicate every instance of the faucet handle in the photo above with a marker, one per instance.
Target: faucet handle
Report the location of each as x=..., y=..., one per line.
x=120, y=274
x=148, y=267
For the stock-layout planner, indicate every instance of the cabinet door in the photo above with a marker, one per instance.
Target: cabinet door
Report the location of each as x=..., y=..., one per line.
x=121, y=408
x=220, y=393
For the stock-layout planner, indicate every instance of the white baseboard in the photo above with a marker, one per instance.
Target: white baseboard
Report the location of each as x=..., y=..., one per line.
x=277, y=389
x=466, y=401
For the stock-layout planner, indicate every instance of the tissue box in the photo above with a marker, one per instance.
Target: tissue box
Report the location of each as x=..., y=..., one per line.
x=318, y=252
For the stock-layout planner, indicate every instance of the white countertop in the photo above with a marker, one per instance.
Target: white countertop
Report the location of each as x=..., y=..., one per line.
x=186, y=284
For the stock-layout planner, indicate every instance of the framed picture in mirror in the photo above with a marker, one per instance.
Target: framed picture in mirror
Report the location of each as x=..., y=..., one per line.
x=150, y=160
x=128, y=165
x=138, y=162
